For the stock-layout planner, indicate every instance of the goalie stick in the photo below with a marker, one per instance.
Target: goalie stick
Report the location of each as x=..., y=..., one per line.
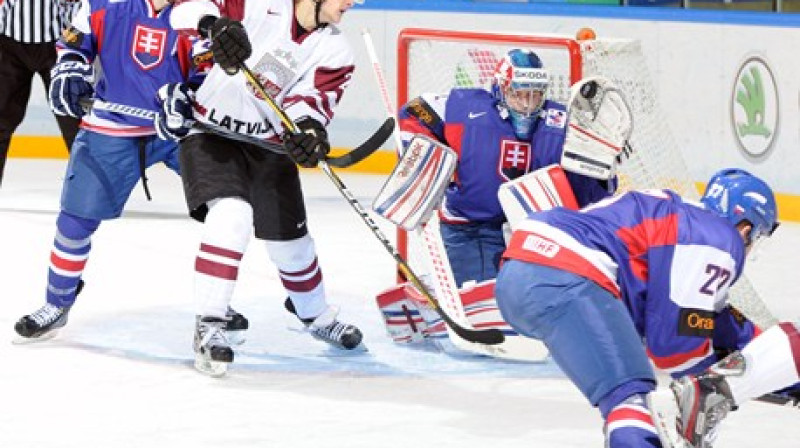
x=361, y=152
x=490, y=336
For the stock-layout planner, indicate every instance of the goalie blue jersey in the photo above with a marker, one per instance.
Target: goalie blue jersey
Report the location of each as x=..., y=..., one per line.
x=489, y=153
x=137, y=51
x=671, y=262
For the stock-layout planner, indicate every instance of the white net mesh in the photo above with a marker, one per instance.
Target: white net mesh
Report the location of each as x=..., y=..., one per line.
x=436, y=61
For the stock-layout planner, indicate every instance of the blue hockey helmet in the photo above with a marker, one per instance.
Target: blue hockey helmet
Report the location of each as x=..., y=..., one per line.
x=520, y=84
x=739, y=196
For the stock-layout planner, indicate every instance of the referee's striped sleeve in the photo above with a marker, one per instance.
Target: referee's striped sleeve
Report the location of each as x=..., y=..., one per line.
x=35, y=21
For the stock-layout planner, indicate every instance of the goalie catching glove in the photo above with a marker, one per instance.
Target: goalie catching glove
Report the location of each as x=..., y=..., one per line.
x=309, y=145
x=600, y=124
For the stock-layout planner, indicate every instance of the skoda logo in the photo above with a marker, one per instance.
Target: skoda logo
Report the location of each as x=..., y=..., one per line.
x=754, y=109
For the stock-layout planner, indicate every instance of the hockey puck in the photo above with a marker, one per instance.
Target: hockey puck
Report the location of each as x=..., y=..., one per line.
x=589, y=90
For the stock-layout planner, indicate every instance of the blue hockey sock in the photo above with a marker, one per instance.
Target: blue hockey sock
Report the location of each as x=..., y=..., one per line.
x=68, y=257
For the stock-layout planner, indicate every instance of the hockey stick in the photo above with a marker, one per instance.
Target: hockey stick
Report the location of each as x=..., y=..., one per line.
x=361, y=152
x=490, y=336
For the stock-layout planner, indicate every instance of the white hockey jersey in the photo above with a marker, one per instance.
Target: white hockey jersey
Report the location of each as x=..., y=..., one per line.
x=305, y=72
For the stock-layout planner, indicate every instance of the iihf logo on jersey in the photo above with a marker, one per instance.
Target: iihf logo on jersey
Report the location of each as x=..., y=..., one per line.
x=515, y=158
x=556, y=118
x=148, y=46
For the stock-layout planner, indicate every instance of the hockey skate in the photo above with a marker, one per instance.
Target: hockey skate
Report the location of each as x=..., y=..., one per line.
x=689, y=414
x=326, y=328
x=42, y=324
x=703, y=402
x=236, y=327
x=212, y=350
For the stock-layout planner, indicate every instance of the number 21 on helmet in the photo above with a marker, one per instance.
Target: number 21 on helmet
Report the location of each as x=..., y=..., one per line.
x=740, y=196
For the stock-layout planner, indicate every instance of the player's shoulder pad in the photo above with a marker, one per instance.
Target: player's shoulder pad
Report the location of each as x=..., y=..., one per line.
x=465, y=95
x=72, y=37
x=96, y=5
x=423, y=110
x=550, y=104
x=201, y=52
x=468, y=92
x=464, y=101
x=336, y=51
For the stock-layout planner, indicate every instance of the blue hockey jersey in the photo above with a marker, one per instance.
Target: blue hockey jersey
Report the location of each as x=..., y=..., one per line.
x=138, y=52
x=671, y=262
x=489, y=153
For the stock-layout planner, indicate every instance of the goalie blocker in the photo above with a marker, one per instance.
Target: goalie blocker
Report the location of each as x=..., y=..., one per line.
x=416, y=186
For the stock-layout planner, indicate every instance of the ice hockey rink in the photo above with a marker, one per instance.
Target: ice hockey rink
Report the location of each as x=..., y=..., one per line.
x=120, y=374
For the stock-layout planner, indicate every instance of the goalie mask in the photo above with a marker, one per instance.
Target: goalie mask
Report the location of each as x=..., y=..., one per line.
x=739, y=196
x=520, y=85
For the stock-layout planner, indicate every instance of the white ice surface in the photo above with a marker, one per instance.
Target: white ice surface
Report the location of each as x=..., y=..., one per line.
x=120, y=374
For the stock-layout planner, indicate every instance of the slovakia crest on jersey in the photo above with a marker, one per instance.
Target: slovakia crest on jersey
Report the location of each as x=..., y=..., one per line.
x=515, y=158
x=556, y=118
x=148, y=46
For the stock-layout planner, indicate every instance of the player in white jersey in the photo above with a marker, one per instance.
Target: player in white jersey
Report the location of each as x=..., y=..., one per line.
x=770, y=362
x=304, y=62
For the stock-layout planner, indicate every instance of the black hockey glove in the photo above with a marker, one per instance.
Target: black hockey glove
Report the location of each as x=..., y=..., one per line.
x=309, y=145
x=229, y=42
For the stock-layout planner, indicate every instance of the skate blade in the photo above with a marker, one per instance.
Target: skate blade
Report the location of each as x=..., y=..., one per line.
x=360, y=348
x=22, y=340
x=236, y=337
x=664, y=409
x=335, y=351
x=210, y=367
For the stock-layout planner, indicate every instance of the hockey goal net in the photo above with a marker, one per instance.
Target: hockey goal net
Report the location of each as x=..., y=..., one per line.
x=435, y=61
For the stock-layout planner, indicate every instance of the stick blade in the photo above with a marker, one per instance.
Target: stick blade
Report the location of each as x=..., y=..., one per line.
x=491, y=336
x=366, y=149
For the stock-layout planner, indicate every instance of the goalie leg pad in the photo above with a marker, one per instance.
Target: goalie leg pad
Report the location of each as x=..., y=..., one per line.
x=408, y=316
x=417, y=184
x=539, y=190
x=480, y=307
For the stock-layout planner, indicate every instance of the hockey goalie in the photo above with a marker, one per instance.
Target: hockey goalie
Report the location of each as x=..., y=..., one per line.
x=590, y=138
